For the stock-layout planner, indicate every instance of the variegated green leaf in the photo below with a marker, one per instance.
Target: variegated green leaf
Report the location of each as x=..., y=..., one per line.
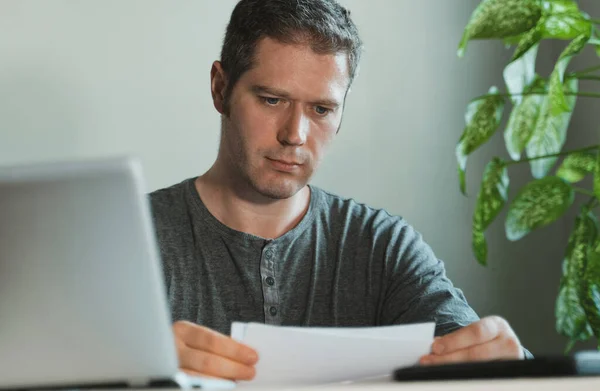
x=523, y=119
x=558, y=101
x=595, y=40
x=575, y=46
x=584, y=234
x=482, y=118
x=560, y=6
x=479, y=244
x=520, y=74
x=501, y=19
x=563, y=20
x=490, y=201
x=527, y=41
x=514, y=40
x=493, y=193
x=550, y=132
x=591, y=289
x=576, y=166
x=538, y=204
x=571, y=319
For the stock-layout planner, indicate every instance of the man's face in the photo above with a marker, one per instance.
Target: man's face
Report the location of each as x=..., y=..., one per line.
x=283, y=114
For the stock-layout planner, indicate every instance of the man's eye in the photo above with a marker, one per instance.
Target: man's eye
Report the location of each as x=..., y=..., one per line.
x=271, y=101
x=322, y=110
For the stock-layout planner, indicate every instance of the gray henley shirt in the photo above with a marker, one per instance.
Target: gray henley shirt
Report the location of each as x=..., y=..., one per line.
x=345, y=264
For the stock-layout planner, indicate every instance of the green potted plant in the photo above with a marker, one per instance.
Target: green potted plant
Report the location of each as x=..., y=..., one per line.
x=535, y=134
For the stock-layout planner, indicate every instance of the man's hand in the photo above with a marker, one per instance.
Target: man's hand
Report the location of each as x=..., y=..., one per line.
x=491, y=338
x=205, y=352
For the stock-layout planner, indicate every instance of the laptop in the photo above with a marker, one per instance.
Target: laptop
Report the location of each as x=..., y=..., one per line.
x=82, y=300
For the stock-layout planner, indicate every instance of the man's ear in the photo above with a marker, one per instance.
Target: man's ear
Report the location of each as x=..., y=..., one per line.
x=218, y=86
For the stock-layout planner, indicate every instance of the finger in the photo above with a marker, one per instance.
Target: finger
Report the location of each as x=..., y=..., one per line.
x=203, y=338
x=476, y=333
x=210, y=364
x=501, y=348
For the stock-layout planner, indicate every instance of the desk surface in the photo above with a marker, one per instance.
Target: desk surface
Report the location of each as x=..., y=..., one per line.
x=547, y=384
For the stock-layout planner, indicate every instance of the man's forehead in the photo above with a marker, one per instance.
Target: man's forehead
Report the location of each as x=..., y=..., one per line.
x=296, y=68
x=269, y=50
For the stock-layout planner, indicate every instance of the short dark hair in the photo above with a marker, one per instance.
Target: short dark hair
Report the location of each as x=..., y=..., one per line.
x=323, y=24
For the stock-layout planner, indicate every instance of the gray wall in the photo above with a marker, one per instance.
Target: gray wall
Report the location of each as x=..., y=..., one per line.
x=97, y=78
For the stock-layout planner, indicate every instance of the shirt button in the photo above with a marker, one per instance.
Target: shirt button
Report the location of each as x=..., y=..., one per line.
x=269, y=254
x=273, y=311
x=270, y=281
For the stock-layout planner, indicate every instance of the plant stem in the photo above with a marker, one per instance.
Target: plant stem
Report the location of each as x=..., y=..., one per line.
x=507, y=95
x=553, y=155
x=585, y=94
x=584, y=191
x=589, y=77
x=585, y=71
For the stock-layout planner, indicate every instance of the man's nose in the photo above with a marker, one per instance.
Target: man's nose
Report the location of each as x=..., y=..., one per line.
x=295, y=129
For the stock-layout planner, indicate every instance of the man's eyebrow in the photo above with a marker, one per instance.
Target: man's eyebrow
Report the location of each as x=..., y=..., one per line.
x=327, y=103
x=258, y=89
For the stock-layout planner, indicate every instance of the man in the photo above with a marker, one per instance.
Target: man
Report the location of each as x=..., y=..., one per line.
x=250, y=240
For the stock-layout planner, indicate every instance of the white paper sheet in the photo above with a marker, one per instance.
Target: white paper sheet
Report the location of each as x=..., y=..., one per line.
x=238, y=331
x=412, y=331
x=294, y=356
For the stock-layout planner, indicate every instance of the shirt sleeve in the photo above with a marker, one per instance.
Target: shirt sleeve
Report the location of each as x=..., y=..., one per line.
x=418, y=289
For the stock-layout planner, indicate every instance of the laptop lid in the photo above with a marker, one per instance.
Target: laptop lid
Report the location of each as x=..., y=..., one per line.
x=82, y=299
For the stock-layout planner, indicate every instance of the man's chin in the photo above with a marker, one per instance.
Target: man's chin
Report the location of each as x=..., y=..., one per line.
x=280, y=191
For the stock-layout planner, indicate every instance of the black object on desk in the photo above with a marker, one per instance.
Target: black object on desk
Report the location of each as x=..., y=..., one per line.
x=579, y=364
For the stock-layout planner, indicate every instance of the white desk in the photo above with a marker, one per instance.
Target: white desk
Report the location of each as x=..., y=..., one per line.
x=556, y=384
x=549, y=384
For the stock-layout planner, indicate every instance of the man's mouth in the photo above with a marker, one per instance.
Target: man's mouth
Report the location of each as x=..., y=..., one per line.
x=290, y=162
x=284, y=165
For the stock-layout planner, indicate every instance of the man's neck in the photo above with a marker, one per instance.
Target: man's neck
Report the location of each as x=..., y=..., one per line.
x=250, y=213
